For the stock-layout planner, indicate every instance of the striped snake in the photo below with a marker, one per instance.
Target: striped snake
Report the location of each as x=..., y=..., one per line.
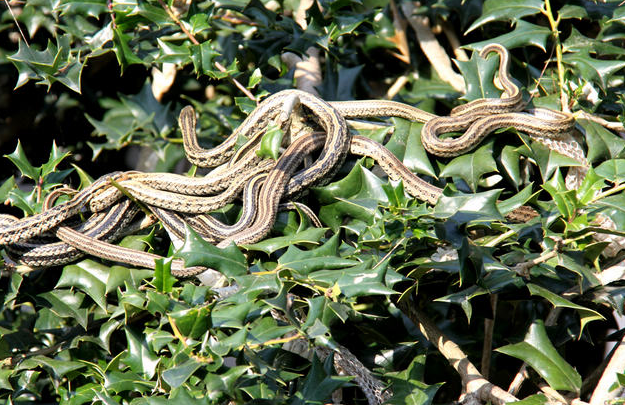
x=179, y=200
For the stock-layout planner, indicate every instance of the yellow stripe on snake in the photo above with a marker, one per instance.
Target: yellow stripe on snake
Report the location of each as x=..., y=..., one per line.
x=309, y=124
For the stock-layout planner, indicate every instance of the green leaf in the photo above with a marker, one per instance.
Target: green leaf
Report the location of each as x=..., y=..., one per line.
x=141, y=359
x=592, y=184
x=13, y=288
x=67, y=304
x=19, y=159
x=524, y=34
x=537, y=351
x=58, y=367
x=597, y=70
x=602, y=144
x=319, y=383
x=548, y=160
x=415, y=157
x=176, y=376
x=322, y=257
x=613, y=170
x=265, y=329
x=171, y=53
x=478, y=76
x=54, y=64
x=564, y=199
x=92, y=8
x=270, y=142
x=163, y=280
x=6, y=188
x=192, y=322
x=536, y=399
x=308, y=236
x=586, y=315
x=90, y=277
x=197, y=252
x=570, y=11
x=255, y=78
x=125, y=55
x=202, y=56
x=511, y=10
x=363, y=279
x=408, y=386
x=56, y=156
x=225, y=382
x=467, y=207
x=346, y=187
x=117, y=382
x=510, y=161
x=5, y=384
x=471, y=167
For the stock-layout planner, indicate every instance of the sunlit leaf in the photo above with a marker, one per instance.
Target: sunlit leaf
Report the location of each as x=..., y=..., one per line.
x=538, y=351
x=512, y=10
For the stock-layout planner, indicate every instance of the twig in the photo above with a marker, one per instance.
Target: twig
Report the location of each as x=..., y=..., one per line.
x=307, y=72
x=601, y=395
x=473, y=382
x=16, y=23
x=218, y=65
x=611, y=125
x=453, y=40
x=432, y=49
x=396, y=87
x=489, y=327
x=553, y=23
x=518, y=380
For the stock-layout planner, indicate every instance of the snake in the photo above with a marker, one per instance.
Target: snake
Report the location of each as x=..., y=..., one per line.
x=178, y=200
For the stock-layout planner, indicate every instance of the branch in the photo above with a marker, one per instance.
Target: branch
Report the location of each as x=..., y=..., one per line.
x=473, y=382
x=602, y=395
x=432, y=49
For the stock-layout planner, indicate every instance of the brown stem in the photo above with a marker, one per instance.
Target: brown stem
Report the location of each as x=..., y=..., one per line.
x=473, y=382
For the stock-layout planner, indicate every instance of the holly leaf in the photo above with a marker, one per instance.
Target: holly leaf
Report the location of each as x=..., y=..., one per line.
x=408, y=386
x=586, y=315
x=197, y=252
x=538, y=351
x=478, y=75
x=524, y=34
x=471, y=167
x=511, y=10
x=141, y=359
x=597, y=70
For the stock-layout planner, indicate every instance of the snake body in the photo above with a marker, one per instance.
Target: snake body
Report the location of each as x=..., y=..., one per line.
x=180, y=200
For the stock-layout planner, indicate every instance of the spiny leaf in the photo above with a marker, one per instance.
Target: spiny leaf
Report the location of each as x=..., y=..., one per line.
x=141, y=359
x=511, y=10
x=597, y=70
x=586, y=315
x=478, y=76
x=471, y=167
x=537, y=351
x=322, y=257
x=197, y=252
x=524, y=34
x=270, y=142
x=19, y=159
